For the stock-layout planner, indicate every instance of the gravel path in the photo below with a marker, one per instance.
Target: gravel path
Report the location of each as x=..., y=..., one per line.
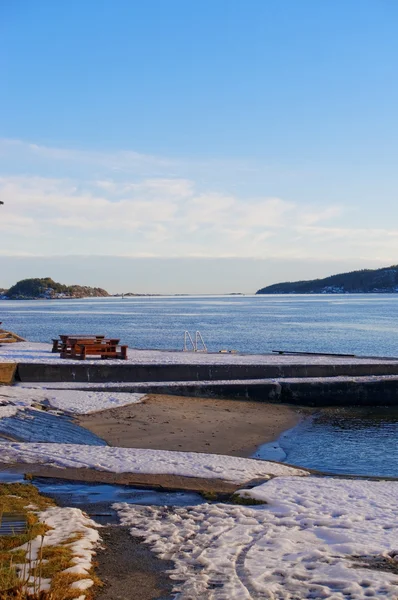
x=129, y=570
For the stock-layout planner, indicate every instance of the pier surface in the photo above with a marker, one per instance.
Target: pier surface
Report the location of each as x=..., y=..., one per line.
x=305, y=379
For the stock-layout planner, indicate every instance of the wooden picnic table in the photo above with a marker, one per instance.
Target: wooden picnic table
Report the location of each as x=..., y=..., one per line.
x=81, y=336
x=61, y=343
x=80, y=348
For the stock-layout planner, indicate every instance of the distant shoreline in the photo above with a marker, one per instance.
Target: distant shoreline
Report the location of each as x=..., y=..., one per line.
x=204, y=295
x=122, y=296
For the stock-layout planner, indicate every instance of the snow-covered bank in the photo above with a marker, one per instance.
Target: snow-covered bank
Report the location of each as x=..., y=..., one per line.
x=32, y=352
x=150, y=462
x=73, y=402
x=71, y=528
x=300, y=545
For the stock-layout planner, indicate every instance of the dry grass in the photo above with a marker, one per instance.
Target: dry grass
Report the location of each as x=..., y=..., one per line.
x=61, y=583
x=15, y=498
x=17, y=567
x=20, y=594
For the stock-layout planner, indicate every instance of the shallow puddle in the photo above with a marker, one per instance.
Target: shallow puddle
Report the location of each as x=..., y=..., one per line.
x=12, y=523
x=97, y=498
x=75, y=493
x=11, y=477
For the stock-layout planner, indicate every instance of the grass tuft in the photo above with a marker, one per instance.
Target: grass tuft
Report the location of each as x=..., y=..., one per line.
x=245, y=500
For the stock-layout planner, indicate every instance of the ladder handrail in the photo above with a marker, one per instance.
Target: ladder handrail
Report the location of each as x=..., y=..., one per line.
x=199, y=338
x=187, y=336
x=188, y=340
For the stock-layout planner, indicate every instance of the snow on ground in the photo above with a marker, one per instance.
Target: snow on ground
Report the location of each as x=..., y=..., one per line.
x=137, y=460
x=8, y=410
x=14, y=398
x=298, y=546
x=79, y=403
x=66, y=524
x=32, y=352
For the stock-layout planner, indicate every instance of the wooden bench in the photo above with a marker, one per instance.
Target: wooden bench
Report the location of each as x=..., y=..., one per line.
x=104, y=349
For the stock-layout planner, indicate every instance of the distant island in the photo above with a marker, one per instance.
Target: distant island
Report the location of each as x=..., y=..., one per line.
x=47, y=288
x=365, y=281
x=134, y=295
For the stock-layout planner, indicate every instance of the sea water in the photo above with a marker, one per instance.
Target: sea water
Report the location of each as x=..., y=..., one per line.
x=363, y=324
x=347, y=441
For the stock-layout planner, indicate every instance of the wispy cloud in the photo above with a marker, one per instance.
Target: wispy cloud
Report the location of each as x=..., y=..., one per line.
x=155, y=210
x=116, y=160
x=162, y=217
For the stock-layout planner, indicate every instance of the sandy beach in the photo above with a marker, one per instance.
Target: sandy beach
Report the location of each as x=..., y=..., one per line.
x=232, y=427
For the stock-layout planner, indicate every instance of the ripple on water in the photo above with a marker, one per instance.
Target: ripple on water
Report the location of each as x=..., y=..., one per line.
x=354, y=441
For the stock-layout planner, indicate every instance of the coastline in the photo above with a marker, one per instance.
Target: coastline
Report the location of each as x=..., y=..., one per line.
x=181, y=423
x=178, y=423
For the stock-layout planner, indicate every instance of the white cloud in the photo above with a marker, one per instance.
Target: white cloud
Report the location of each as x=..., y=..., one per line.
x=151, y=217
x=267, y=212
x=118, y=160
x=316, y=216
x=148, y=212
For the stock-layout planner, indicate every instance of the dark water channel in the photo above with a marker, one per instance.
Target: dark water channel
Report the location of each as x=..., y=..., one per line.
x=354, y=441
x=97, y=498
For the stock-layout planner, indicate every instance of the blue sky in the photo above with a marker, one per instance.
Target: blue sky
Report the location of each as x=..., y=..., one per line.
x=200, y=146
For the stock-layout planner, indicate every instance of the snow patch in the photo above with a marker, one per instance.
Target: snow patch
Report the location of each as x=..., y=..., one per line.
x=73, y=402
x=8, y=411
x=137, y=460
x=298, y=546
x=67, y=524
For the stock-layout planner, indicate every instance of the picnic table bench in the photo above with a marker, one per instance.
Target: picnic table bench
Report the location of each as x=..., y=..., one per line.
x=102, y=349
x=80, y=347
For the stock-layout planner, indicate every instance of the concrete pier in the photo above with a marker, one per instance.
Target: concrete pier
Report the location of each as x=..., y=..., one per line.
x=328, y=391
x=130, y=372
x=315, y=380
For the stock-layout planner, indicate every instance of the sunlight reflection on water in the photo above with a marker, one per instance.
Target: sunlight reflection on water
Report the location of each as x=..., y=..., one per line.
x=360, y=324
x=352, y=440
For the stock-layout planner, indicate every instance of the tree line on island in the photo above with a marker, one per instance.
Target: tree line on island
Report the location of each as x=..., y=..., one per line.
x=37, y=288
x=365, y=281
x=46, y=288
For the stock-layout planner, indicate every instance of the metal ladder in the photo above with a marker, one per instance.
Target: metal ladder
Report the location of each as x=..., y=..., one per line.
x=194, y=346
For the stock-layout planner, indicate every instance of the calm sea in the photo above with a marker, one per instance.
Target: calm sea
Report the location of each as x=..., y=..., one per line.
x=338, y=440
x=351, y=440
x=352, y=324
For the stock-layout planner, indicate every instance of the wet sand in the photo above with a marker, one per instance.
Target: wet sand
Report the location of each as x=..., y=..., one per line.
x=161, y=422
x=129, y=570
